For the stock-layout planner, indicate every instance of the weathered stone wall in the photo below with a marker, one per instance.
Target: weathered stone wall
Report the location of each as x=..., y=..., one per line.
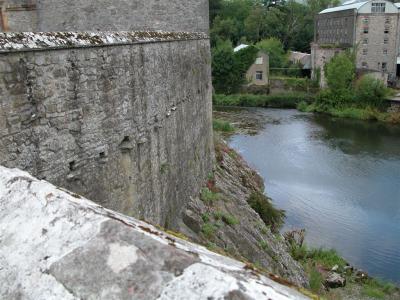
x=18, y=15
x=128, y=125
x=319, y=57
x=56, y=245
x=377, y=47
x=109, y=15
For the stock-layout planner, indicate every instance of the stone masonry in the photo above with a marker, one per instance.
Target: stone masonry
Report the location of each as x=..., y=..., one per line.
x=106, y=15
x=57, y=245
x=123, y=118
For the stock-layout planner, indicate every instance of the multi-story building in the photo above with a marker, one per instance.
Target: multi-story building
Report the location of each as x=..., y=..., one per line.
x=371, y=28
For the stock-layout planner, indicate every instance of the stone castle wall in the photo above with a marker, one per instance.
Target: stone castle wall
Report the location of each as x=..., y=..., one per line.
x=123, y=118
x=106, y=15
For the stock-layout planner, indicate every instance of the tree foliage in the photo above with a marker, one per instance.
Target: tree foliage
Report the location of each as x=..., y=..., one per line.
x=274, y=48
x=253, y=20
x=229, y=68
x=340, y=72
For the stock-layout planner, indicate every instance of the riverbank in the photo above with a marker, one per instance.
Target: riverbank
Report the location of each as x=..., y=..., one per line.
x=367, y=113
x=319, y=264
x=305, y=102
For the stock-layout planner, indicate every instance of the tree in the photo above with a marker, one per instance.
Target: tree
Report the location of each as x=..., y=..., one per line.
x=223, y=29
x=215, y=9
x=340, y=72
x=254, y=23
x=370, y=91
x=229, y=68
x=274, y=48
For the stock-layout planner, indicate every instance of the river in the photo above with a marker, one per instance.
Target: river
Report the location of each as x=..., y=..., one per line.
x=337, y=178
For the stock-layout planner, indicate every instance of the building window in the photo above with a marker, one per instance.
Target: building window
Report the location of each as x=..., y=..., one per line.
x=259, y=75
x=378, y=7
x=259, y=61
x=386, y=29
x=387, y=21
x=385, y=51
x=364, y=65
x=365, y=30
x=384, y=65
x=365, y=20
x=365, y=51
x=365, y=41
x=386, y=40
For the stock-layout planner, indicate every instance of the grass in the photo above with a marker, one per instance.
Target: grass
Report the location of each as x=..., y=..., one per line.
x=271, y=216
x=222, y=126
x=377, y=289
x=323, y=257
x=208, y=230
x=226, y=218
x=208, y=196
x=367, y=113
x=315, y=280
x=285, y=100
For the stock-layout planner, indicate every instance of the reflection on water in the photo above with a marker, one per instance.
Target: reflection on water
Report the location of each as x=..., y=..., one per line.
x=338, y=178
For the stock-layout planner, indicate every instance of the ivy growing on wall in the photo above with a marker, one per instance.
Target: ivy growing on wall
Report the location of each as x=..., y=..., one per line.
x=229, y=68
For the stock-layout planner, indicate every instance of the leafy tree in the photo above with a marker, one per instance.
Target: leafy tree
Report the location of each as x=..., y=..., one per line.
x=223, y=29
x=215, y=9
x=255, y=23
x=370, y=91
x=274, y=48
x=340, y=72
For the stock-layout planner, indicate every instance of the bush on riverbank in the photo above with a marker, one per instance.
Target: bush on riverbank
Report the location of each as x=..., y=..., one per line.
x=347, y=97
x=286, y=100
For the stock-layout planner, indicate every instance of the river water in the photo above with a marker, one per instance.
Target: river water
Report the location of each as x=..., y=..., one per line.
x=337, y=178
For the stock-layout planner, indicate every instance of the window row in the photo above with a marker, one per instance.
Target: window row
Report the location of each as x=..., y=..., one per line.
x=381, y=66
x=385, y=30
x=365, y=51
x=385, y=41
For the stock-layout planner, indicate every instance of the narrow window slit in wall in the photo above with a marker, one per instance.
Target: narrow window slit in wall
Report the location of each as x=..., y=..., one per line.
x=102, y=155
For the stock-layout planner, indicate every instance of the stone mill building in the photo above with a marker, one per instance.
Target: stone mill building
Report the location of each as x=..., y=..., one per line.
x=370, y=27
x=95, y=99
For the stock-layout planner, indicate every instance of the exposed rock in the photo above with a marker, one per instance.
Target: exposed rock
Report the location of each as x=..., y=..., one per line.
x=335, y=268
x=334, y=280
x=57, y=245
x=249, y=238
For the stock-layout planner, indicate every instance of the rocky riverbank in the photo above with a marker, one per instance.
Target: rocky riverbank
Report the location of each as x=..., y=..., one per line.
x=324, y=271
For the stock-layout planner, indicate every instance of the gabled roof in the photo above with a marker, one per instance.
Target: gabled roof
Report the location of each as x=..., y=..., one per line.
x=240, y=47
x=351, y=5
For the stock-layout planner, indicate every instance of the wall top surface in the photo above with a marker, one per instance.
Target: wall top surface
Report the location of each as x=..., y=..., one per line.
x=29, y=41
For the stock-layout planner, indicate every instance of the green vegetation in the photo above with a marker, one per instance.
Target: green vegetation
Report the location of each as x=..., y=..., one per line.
x=164, y=168
x=208, y=196
x=377, y=289
x=251, y=21
x=223, y=126
x=275, y=50
x=347, y=97
x=229, y=68
x=287, y=100
x=271, y=216
x=316, y=280
x=208, y=230
x=226, y=218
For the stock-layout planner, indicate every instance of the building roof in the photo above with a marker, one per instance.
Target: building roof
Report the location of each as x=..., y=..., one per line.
x=351, y=5
x=303, y=58
x=240, y=47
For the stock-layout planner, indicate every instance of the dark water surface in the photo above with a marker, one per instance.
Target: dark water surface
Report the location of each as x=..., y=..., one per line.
x=338, y=178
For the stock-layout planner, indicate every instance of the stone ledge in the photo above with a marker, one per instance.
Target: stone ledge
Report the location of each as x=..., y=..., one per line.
x=57, y=245
x=31, y=41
